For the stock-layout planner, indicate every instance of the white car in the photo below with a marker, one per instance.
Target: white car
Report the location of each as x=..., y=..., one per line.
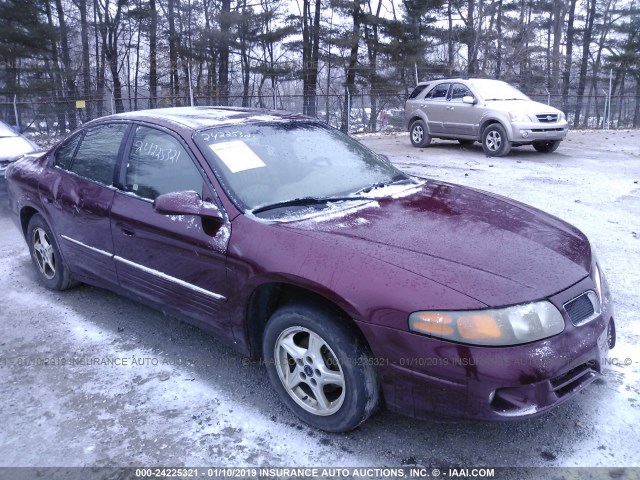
x=12, y=147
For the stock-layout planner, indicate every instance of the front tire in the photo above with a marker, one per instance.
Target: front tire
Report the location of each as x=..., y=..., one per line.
x=419, y=134
x=45, y=254
x=319, y=368
x=547, y=147
x=495, y=142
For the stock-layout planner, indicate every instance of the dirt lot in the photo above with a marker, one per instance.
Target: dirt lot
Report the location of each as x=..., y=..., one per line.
x=189, y=400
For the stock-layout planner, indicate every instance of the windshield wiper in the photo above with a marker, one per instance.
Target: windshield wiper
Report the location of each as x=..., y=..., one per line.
x=373, y=186
x=300, y=202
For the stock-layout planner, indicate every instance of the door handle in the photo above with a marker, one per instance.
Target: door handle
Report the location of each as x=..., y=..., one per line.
x=450, y=108
x=126, y=230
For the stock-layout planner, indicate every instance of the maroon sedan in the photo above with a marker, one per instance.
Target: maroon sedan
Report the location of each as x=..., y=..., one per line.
x=359, y=285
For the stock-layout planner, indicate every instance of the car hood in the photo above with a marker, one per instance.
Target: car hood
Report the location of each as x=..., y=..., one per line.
x=525, y=106
x=492, y=249
x=13, y=147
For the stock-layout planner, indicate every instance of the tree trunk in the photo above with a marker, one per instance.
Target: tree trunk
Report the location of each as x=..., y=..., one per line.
x=66, y=63
x=450, y=50
x=223, y=67
x=153, y=55
x=372, y=40
x=586, y=44
x=558, y=21
x=60, y=113
x=566, y=76
x=499, y=47
x=173, y=52
x=351, y=67
x=86, y=71
x=310, y=55
x=470, y=36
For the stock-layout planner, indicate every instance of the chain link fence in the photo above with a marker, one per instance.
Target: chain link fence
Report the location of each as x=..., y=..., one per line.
x=50, y=118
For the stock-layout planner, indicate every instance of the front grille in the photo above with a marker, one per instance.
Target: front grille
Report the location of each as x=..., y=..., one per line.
x=582, y=308
x=547, y=129
x=547, y=117
x=574, y=379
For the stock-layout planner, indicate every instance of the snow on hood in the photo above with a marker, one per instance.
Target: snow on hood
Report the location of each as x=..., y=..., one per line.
x=493, y=249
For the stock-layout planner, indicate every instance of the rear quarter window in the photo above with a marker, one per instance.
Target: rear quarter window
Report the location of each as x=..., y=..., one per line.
x=417, y=91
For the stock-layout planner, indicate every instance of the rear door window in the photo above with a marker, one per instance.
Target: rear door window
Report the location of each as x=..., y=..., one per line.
x=96, y=156
x=65, y=154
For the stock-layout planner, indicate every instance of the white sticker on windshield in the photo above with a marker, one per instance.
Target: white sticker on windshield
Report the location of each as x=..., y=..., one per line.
x=237, y=156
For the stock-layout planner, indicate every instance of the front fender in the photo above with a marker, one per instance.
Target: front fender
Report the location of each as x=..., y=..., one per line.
x=493, y=117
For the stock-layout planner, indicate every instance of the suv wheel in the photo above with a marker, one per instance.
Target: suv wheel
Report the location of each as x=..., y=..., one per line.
x=546, y=147
x=319, y=368
x=494, y=141
x=419, y=135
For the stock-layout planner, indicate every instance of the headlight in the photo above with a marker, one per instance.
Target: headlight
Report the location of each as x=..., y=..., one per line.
x=498, y=327
x=597, y=274
x=519, y=117
x=561, y=117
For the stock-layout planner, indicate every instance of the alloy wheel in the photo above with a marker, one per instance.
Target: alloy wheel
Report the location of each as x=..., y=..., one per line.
x=493, y=141
x=417, y=134
x=43, y=253
x=309, y=371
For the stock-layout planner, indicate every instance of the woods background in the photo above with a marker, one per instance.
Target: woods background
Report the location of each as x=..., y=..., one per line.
x=312, y=56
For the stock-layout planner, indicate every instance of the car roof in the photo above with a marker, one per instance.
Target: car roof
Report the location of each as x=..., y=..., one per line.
x=427, y=82
x=206, y=117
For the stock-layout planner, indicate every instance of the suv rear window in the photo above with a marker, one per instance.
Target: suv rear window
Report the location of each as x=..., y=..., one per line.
x=417, y=91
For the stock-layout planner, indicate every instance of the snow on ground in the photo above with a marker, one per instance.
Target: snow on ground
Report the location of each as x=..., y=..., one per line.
x=183, y=398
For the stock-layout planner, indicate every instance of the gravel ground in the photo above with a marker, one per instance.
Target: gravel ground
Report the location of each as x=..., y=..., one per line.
x=185, y=399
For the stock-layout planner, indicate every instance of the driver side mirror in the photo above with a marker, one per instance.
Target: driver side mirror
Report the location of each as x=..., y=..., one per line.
x=468, y=99
x=186, y=203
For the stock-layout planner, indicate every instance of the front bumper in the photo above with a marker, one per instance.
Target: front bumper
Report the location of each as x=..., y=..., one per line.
x=523, y=133
x=426, y=377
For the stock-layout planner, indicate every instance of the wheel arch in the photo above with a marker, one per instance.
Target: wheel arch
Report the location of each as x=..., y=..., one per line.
x=417, y=115
x=489, y=121
x=486, y=122
x=26, y=214
x=268, y=297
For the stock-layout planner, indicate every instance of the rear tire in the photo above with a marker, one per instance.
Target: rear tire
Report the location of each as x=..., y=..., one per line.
x=419, y=134
x=319, y=368
x=45, y=254
x=547, y=147
x=495, y=142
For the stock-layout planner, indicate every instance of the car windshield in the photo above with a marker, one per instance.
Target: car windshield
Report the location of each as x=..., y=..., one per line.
x=267, y=164
x=497, y=90
x=6, y=131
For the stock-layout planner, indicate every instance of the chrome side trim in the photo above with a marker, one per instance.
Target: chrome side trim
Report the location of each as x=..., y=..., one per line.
x=169, y=278
x=93, y=249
